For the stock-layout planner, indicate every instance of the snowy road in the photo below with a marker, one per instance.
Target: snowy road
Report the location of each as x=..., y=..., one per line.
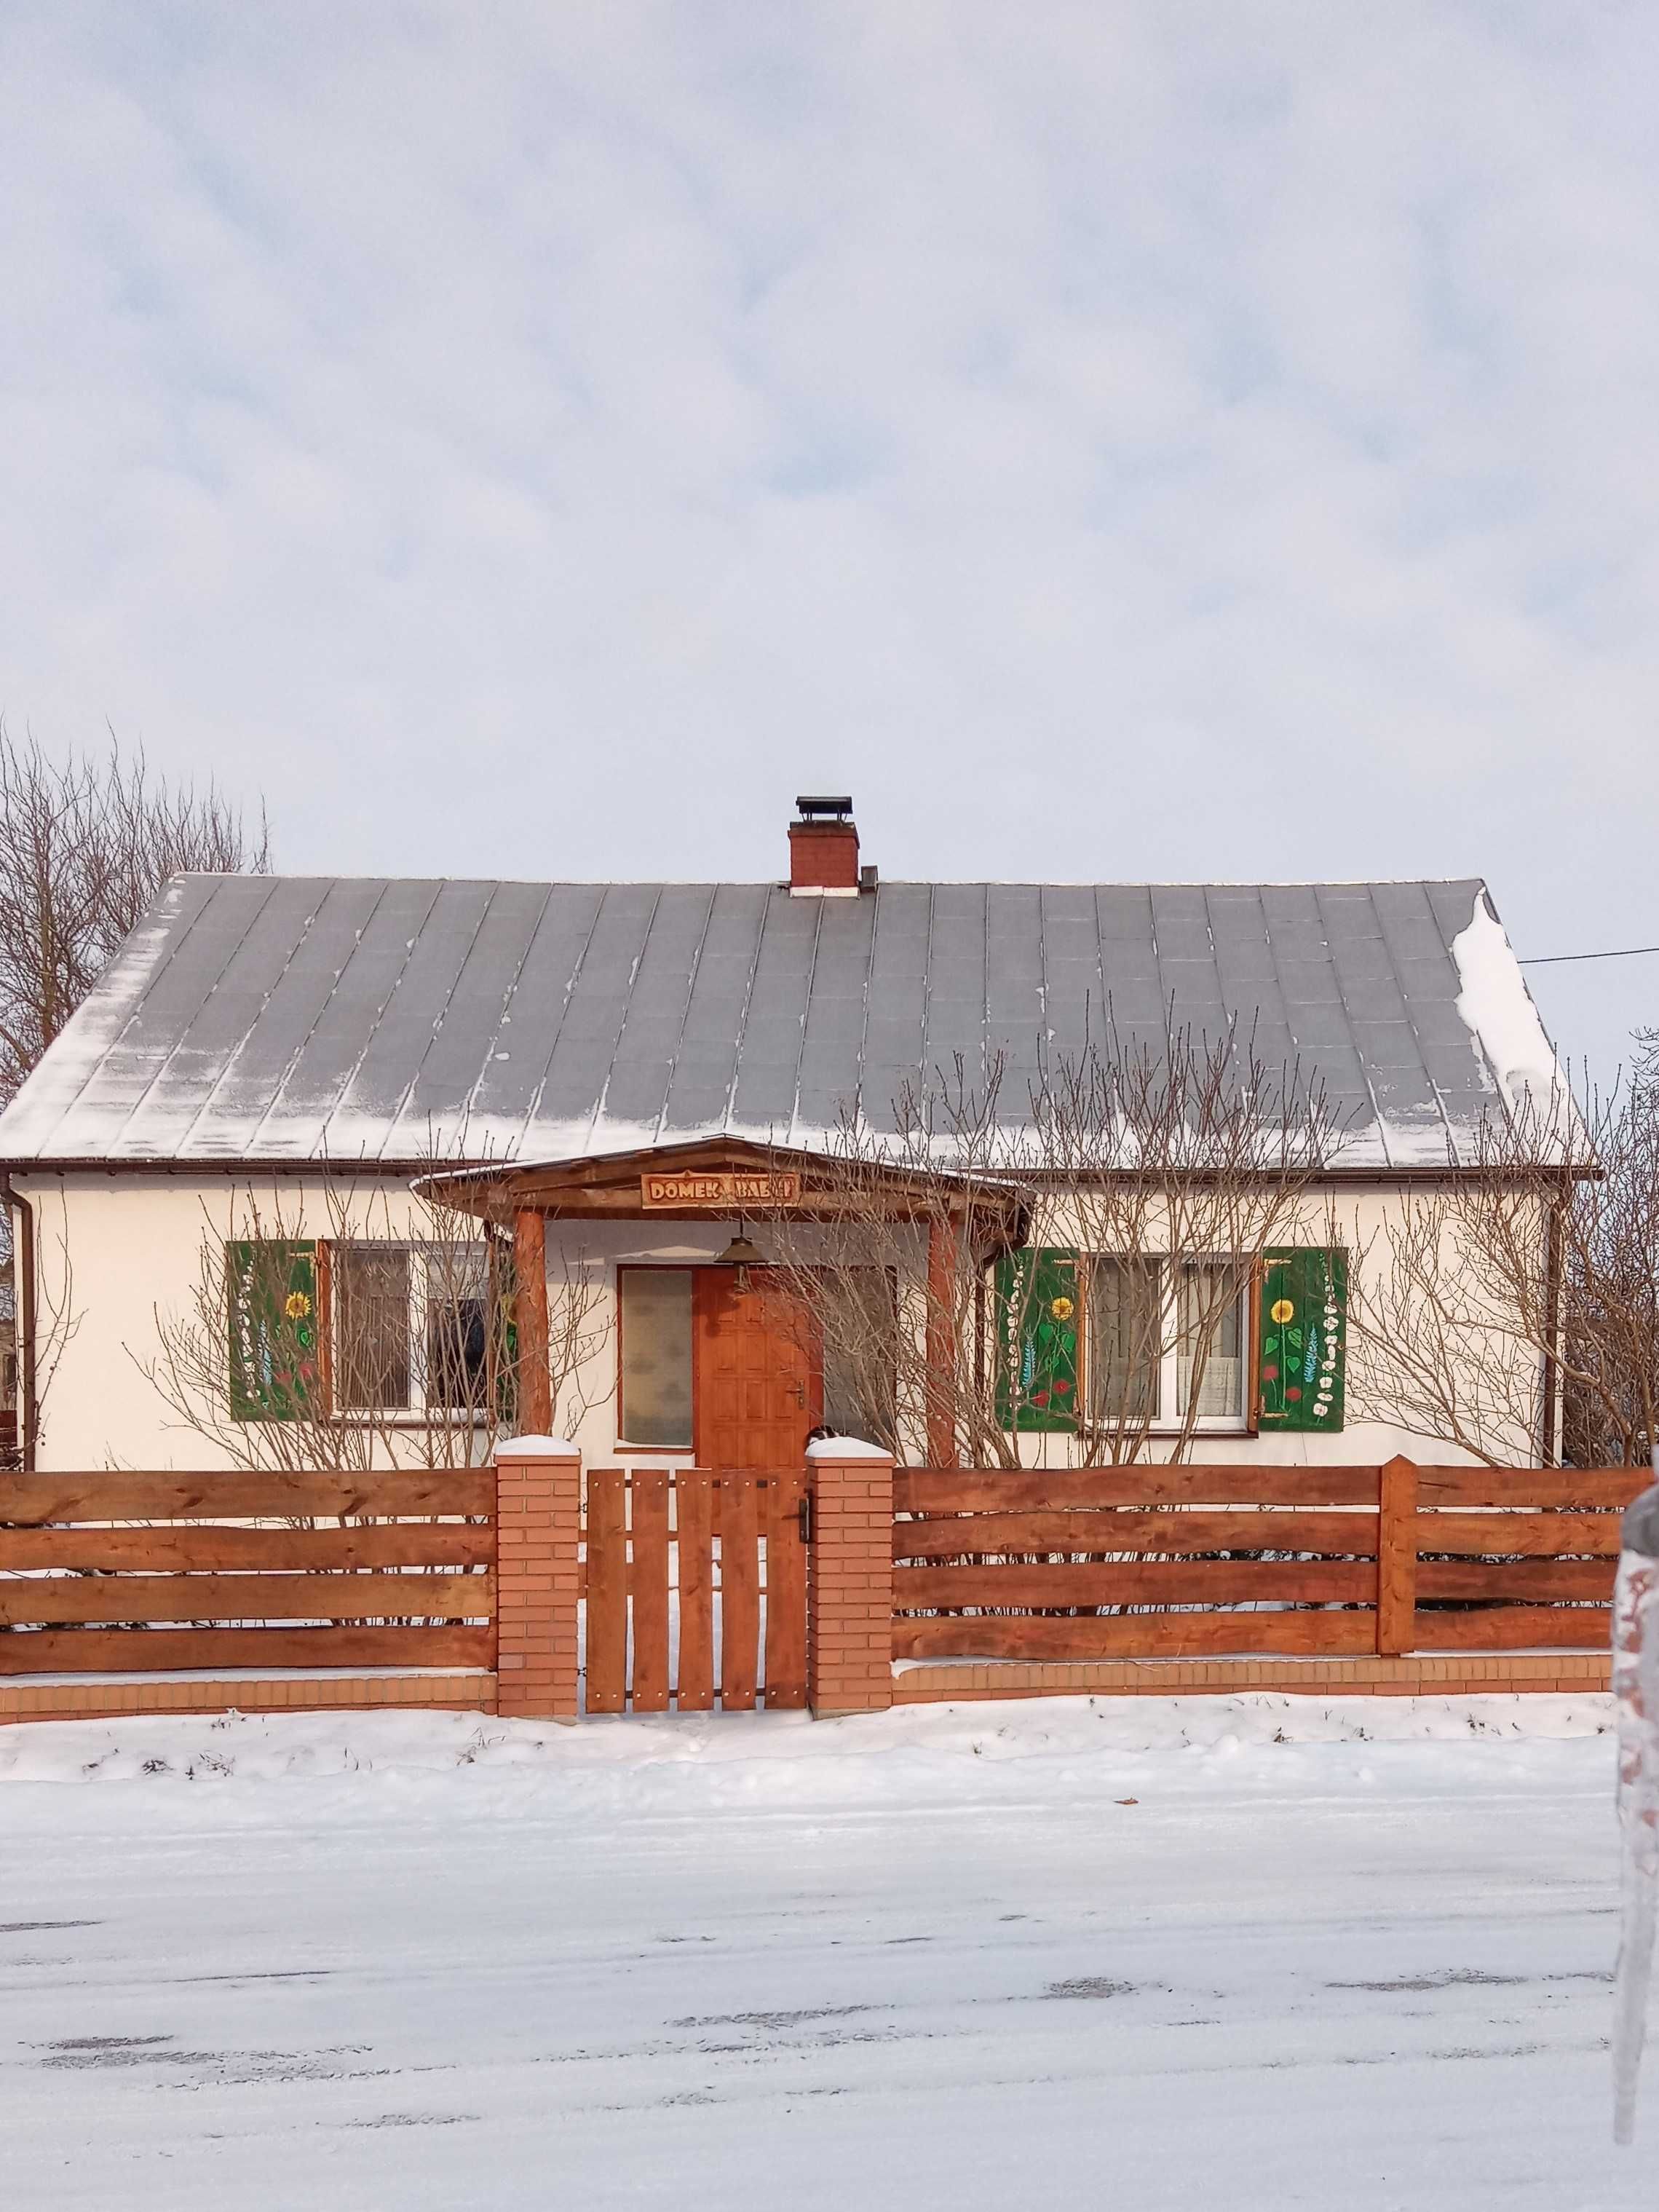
x=754, y=1963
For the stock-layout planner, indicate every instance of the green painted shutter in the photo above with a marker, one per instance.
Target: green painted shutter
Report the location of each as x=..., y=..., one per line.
x=1036, y=1316
x=273, y=1329
x=1303, y=1338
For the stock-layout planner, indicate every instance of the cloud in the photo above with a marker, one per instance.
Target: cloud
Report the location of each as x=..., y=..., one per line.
x=1151, y=440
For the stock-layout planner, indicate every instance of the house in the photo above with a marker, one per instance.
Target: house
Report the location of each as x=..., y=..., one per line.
x=224, y=1174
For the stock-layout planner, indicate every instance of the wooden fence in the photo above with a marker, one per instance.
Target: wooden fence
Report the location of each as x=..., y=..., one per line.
x=692, y=1589
x=1182, y=1562
x=348, y=1570
x=676, y=1556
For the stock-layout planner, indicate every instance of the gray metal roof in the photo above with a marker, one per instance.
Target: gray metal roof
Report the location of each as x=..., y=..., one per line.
x=272, y=1018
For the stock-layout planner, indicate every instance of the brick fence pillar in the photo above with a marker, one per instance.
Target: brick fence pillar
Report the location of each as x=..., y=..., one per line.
x=849, y=1578
x=537, y=1536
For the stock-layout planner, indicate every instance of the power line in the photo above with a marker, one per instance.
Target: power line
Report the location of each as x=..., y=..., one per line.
x=1554, y=959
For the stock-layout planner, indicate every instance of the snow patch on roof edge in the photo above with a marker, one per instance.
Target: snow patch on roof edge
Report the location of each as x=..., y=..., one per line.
x=1498, y=1009
x=62, y=1072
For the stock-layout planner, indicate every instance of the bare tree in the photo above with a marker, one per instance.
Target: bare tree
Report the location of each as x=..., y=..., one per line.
x=1606, y=1255
x=375, y=1337
x=85, y=843
x=1514, y=1312
x=948, y=1291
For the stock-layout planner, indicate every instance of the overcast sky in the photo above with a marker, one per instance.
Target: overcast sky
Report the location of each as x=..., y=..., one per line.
x=1113, y=442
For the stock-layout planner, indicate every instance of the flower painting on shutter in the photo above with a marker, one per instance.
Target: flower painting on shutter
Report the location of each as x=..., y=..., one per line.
x=1037, y=1320
x=1304, y=1298
x=274, y=1329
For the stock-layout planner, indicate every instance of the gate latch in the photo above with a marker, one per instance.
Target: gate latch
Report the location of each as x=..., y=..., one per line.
x=805, y=1517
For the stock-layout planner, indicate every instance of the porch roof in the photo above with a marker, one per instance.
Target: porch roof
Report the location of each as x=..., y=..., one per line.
x=612, y=1186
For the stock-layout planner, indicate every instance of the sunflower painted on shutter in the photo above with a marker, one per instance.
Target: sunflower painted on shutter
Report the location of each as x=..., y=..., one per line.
x=274, y=1330
x=1303, y=1338
x=1036, y=1317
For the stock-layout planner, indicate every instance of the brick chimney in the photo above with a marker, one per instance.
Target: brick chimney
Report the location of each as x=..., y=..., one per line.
x=823, y=850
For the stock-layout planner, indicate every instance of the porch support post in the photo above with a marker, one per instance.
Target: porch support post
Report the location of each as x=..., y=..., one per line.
x=530, y=1318
x=850, y=1579
x=942, y=1346
x=537, y=1570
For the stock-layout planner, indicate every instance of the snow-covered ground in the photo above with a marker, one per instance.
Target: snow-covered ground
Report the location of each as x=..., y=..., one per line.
x=1195, y=1954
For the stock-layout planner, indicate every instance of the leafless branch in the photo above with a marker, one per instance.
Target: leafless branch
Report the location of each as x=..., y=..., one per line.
x=86, y=842
x=1180, y=1161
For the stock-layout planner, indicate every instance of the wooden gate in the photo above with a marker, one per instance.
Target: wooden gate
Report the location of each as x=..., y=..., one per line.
x=695, y=1588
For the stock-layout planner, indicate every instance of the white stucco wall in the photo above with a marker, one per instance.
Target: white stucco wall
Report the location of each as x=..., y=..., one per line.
x=112, y=1249
x=113, y=1252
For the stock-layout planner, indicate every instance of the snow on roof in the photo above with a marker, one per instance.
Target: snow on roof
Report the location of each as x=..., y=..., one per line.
x=269, y=1018
x=1499, y=1008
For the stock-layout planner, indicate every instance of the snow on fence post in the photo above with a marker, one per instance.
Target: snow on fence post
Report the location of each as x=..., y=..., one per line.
x=1396, y=1558
x=849, y=1578
x=537, y=1539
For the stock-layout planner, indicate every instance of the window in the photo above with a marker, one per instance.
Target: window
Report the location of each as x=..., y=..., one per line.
x=409, y=1327
x=1210, y=1343
x=458, y=1313
x=655, y=1407
x=860, y=1328
x=371, y=1362
x=1126, y=1298
x=1166, y=1337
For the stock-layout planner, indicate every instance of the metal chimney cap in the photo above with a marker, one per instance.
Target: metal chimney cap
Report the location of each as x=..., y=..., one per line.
x=821, y=810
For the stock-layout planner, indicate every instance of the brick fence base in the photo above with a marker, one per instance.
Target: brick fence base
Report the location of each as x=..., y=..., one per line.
x=1560, y=1673
x=462, y=1692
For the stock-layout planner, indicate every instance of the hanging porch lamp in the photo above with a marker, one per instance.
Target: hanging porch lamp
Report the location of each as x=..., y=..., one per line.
x=743, y=1255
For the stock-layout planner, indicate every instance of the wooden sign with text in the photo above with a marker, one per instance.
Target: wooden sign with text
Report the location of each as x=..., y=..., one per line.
x=723, y=1192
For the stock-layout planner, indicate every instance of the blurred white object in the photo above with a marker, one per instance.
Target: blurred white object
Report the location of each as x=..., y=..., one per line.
x=1636, y=1686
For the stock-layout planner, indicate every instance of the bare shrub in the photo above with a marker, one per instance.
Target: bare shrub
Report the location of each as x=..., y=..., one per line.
x=1184, y=1159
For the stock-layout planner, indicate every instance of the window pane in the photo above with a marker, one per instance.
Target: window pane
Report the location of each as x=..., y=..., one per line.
x=372, y=1333
x=456, y=1328
x=656, y=1357
x=1125, y=1340
x=859, y=1325
x=1211, y=1339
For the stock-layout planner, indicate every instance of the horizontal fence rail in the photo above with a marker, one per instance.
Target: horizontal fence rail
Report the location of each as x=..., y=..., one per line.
x=1193, y=1561
x=319, y=1569
x=1522, y=1563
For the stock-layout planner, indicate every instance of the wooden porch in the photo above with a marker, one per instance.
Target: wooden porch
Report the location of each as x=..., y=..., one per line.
x=721, y=1179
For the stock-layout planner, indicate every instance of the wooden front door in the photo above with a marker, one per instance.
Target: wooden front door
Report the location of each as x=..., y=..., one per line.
x=759, y=1378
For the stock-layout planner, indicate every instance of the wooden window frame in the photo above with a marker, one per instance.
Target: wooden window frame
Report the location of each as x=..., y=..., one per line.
x=417, y=1414
x=1166, y=1422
